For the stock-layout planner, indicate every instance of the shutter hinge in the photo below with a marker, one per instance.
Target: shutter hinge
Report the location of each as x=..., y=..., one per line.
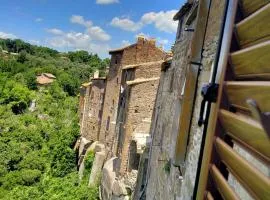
x=209, y=93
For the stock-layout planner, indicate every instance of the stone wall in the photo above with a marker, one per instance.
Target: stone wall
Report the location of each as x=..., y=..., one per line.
x=165, y=179
x=107, y=128
x=93, y=106
x=141, y=67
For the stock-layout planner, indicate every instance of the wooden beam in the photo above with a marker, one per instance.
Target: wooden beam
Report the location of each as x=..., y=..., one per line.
x=186, y=115
x=254, y=29
x=250, y=6
x=239, y=91
x=142, y=80
x=256, y=183
x=222, y=185
x=252, y=62
x=247, y=132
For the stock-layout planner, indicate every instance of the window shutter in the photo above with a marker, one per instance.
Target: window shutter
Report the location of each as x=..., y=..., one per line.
x=241, y=113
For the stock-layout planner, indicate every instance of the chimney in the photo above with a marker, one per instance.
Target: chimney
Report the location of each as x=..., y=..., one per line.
x=140, y=39
x=96, y=74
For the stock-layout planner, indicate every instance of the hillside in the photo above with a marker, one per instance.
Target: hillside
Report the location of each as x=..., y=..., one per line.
x=37, y=160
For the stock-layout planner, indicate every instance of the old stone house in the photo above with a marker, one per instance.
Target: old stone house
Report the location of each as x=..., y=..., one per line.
x=140, y=71
x=199, y=128
x=185, y=160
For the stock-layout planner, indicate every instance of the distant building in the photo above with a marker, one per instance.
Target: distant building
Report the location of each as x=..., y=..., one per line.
x=45, y=79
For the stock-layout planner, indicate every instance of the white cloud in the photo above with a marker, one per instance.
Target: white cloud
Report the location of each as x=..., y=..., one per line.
x=38, y=20
x=125, y=42
x=4, y=35
x=162, y=20
x=95, y=32
x=55, y=31
x=78, y=41
x=106, y=1
x=35, y=42
x=77, y=19
x=126, y=24
x=93, y=39
x=162, y=41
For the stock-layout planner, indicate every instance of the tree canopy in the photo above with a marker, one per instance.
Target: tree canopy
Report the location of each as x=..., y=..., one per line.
x=37, y=160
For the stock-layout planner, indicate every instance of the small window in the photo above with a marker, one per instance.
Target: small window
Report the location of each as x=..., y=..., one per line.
x=116, y=61
x=99, y=114
x=108, y=124
x=117, y=80
x=179, y=30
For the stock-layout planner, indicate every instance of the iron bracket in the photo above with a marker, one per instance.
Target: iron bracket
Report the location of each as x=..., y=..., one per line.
x=209, y=93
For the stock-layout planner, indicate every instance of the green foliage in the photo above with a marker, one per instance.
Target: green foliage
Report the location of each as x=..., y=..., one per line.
x=88, y=162
x=37, y=160
x=167, y=167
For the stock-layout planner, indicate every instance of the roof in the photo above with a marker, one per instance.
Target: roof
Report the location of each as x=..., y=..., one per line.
x=141, y=64
x=183, y=10
x=49, y=75
x=43, y=80
x=86, y=84
x=120, y=49
x=99, y=78
x=142, y=80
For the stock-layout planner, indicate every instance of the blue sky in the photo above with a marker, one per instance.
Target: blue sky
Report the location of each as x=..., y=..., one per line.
x=92, y=25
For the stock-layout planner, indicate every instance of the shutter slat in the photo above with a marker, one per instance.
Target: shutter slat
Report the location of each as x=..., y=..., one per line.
x=254, y=29
x=239, y=91
x=222, y=185
x=209, y=196
x=250, y=6
x=253, y=180
x=246, y=131
x=252, y=62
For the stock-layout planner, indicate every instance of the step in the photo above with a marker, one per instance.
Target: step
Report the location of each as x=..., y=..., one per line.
x=250, y=6
x=255, y=28
x=247, y=132
x=252, y=62
x=239, y=91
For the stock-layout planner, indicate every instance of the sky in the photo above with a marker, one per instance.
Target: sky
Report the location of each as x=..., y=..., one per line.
x=92, y=25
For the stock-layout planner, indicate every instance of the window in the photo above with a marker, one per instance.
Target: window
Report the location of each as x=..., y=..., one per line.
x=92, y=95
x=179, y=30
x=108, y=124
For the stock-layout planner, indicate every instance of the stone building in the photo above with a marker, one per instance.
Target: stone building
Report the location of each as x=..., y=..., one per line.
x=141, y=52
x=194, y=125
x=92, y=108
x=140, y=72
x=178, y=126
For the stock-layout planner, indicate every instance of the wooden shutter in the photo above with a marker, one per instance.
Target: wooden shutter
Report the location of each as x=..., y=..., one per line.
x=191, y=83
x=240, y=114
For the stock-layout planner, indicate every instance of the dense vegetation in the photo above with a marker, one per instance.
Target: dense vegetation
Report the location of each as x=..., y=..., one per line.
x=37, y=160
